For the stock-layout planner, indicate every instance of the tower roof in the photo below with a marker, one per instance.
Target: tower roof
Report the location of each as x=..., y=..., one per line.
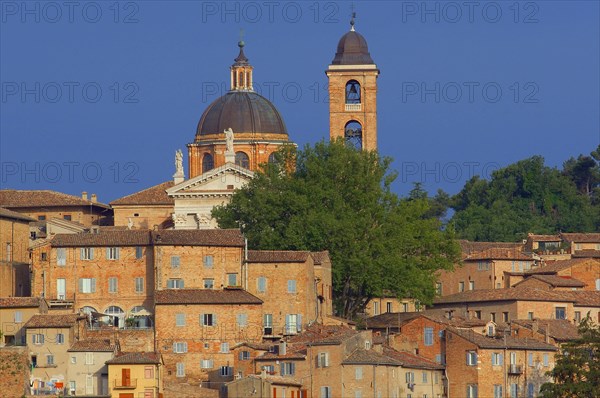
x=352, y=49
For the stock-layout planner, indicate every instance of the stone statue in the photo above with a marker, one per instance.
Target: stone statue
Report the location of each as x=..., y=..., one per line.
x=178, y=162
x=229, y=139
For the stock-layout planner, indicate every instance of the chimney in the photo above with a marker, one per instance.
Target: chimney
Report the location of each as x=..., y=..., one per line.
x=282, y=348
x=84, y=195
x=548, y=333
x=94, y=198
x=534, y=326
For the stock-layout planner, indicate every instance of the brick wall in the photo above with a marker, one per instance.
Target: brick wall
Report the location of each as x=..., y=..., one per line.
x=14, y=371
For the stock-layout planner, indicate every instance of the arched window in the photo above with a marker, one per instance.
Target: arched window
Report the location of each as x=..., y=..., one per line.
x=208, y=162
x=272, y=158
x=353, y=134
x=118, y=315
x=241, y=159
x=241, y=79
x=353, y=92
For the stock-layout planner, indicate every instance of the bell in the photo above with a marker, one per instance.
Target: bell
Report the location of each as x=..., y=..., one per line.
x=353, y=89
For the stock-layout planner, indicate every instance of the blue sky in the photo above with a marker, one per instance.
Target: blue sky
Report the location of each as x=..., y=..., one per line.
x=97, y=96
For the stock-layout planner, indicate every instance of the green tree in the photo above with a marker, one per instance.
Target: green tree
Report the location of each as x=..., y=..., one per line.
x=576, y=373
x=339, y=199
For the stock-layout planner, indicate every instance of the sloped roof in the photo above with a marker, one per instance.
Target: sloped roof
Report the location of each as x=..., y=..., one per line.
x=5, y=213
x=554, y=281
x=323, y=334
x=586, y=253
x=104, y=238
x=278, y=380
x=497, y=253
x=277, y=256
x=469, y=247
x=320, y=257
x=584, y=298
x=53, y=321
x=156, y=195
x=361, y=356
x=508, y=342
x=544, y=238
x=92, y=345
x=199, y=237
x=134, y=358
x=508, y=294
x=581, y=237
x=13, y=199
x=204, y=296
x=390, y=319
x=557, y=266
x=409, y=360
x=558, y=329
x=20, y=302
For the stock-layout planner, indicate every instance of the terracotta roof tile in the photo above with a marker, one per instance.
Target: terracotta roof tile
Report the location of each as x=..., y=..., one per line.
x=278, y=380
x=20, y=302
x=320, y=257
x=508, y=342
x=204, y=296
x=509, y=294
x=369, y=357
x=13, y=199
x=469, y=247
x=544, y=238
x=277, y=256
x=390, y=319
x=103, y=238
x=5, y=213
x=409, y=360
x=53, y=321
x=554, y=281
x=497, y=253
x=199, y=237
x=557, y=266
x=586, y=253
x=92, y=345
x=135, y=358
x=155, y=195
x=581, y=237
x=559, y=329
x=323, y=334
x=583, y=298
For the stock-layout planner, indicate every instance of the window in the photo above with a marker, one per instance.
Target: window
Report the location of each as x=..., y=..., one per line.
x=261, y=284
x=37, y=339
x=18, y=317
x=270, y=369
x=179, y=319
x=376, y=308
x=225, y=371
x=242, y=320
x=112, y=285
x=207, y=261
x=175, y=261
x=149, y=372
x=175, y=284
x=224, y=348
x=139, y=285
x=61, y=256
x=493, y=316
x=86, y=253
x=597, y=284
x=530, y=315
x=438, y=358
x=244, y=355
x=530, y=359
x=530, y=390
x=498, y=391
x=241, y=159
x=358, y=374
x=471, y=285
x=180, y=347
x=326, y=392
x=514, y=390
x=206, y=364
x=60, y=338
x=367, y=345
x=461, y=286
x=497, y=359
x=209, y=283
x=428, y=336
x=112, y=253
x=207, y=162
x=232, y=280
x=139, y=252
x=410, y=377
x=561, y=313
x=89, y=358
x=50, y=359
x=388, y=307
x=577, y=316
x=208, y=319
x=438, y=288
x=43, y=256
x=472, y=391
x=180, y=369
x=288, y=368
x=41, y=218
x=545, y=360
x=87, y=285
x=505, y=316
x=293, y=323
x=357, y=394
x=471, y=358
x=268, y=324
x=291, y=286
x=323, y=360
x=424, y=377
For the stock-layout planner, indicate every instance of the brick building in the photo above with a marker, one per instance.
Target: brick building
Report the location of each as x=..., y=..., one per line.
x=146, y=208
x=15, y=312
x=87, y=369
x=14, y=254
x=135, y=374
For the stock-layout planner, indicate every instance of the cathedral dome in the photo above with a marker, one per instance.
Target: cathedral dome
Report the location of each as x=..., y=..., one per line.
x=243, y=112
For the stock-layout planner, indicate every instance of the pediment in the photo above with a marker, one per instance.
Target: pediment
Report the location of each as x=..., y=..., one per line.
x=221, y=180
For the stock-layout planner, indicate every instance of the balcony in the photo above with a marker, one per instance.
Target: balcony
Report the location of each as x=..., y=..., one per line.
x=60, y=302
x=353, y=107
x=130, y=384
x=515, y=370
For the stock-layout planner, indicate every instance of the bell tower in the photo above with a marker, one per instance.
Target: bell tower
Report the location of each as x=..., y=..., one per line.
x=353, y=92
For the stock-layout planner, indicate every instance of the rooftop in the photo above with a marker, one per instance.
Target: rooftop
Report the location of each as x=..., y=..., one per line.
x=277, y=256
x=509, y=294
x=557, y=266
x=53, y=321
x=320, y=257
x=581, y=237
x=92, y=345
x=361, y=356
x=103, y=238
x=508, y=342
x=409, y=360
x=134, y=358
x=13, y=199
x=205, y=296
x=318, y=334
x=554, y=281
x=498, y=253
x=5, y=213
x=155, y=195
x=199, y=237
x=20, y=302
x=558, y=329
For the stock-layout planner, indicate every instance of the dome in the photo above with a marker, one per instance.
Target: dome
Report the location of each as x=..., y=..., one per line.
x=352, y=50
x=242, y=111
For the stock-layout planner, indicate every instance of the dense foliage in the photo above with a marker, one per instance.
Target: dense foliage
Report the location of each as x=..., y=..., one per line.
x=576, y=373
x=528, y=196
x=332, y=197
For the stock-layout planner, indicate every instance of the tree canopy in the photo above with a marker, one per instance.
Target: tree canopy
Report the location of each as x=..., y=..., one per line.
x=577, y=370
x=332, y=197
x=528, y=196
